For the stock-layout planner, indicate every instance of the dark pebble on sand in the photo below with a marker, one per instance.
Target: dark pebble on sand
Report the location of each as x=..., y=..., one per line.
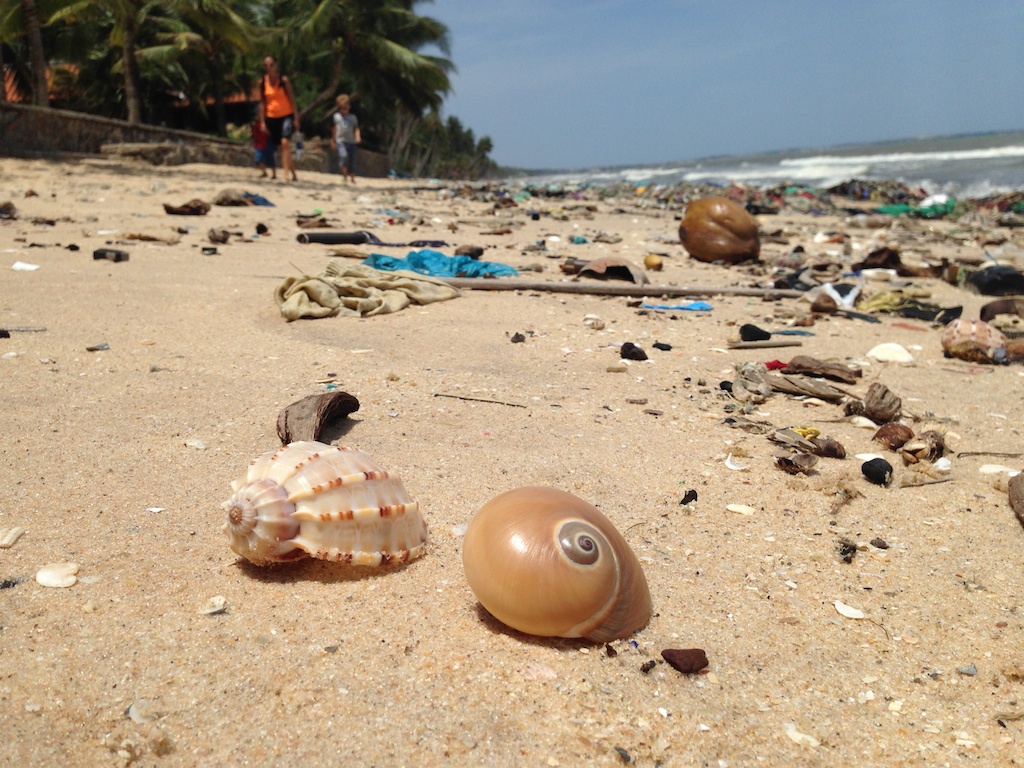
x=631, y=351
x=685, y=660
x=750, y=332
x=877, y=471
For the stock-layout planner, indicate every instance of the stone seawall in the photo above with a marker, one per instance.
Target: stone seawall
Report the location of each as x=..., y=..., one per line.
x=29, y=131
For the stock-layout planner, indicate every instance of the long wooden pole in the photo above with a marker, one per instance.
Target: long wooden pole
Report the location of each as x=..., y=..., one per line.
x=614, y=289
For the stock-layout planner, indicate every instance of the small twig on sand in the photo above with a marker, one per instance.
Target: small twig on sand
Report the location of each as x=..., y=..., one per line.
x=1000, y=454
x=616, y=289
x=928, y=481
x=479, y=400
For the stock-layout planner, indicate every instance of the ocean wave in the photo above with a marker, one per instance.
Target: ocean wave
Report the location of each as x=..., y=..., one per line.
x=906, y=158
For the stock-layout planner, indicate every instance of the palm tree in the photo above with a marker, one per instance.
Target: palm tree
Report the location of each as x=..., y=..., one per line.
x=213, y=31
x=34, y=33
x=375, y=44
x=128, y=18
x=21, y=18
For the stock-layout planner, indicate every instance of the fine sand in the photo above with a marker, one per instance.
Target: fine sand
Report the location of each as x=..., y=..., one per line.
x=119, y=459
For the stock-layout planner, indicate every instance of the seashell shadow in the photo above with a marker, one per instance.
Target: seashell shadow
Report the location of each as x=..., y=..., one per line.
x=335, y=430
x=319, y=571
x=564, y=643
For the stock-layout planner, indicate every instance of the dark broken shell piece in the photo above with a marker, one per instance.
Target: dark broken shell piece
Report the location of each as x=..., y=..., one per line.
x=794, y=462
x=893, y=435
x=686, y=660
x=828, y=448
x=630, y=351
x=877, y=471
x=614, y=269
x=847, y=550
x=313, y=415
x=750, y=332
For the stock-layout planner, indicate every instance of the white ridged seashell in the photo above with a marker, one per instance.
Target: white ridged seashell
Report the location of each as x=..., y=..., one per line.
x=330, y=503
x=973, y=340
x=890, y=352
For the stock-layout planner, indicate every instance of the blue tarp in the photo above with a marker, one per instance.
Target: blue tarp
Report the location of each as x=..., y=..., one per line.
x=436, y=264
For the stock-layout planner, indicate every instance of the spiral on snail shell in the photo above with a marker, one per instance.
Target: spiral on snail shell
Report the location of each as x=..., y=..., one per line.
x=547, y=563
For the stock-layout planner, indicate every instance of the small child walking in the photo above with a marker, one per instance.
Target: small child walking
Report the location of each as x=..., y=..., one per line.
x=345, y=137
x=264, y=150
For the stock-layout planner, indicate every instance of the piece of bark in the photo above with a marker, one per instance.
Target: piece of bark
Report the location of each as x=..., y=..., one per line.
x=823, y=368
x=802, y=385
x=766, y=344
x=881, y=404
x=313, y=415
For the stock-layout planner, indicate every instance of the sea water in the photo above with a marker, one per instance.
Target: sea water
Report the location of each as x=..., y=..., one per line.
x=967, y=166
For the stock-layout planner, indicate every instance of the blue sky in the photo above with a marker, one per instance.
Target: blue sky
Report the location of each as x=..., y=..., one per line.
x=575, y=84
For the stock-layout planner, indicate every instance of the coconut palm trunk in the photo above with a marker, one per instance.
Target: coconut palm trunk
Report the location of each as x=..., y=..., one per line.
x=131, y=70
x=34, y=35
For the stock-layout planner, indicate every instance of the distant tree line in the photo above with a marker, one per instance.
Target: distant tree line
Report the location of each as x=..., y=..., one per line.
x=196, y=64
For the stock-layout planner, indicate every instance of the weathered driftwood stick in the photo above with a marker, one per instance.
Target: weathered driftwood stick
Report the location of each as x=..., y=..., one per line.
x=478, y=399
x=614, y=289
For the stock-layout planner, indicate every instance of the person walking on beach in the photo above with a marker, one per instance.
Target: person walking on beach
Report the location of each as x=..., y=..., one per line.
x=345, y=137
x=264, y=152
x=278, y=113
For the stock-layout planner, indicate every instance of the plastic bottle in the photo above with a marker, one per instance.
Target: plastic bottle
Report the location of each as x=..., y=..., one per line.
x=299, y=144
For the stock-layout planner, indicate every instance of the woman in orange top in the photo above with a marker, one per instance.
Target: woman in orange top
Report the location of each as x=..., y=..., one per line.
x=278, y=113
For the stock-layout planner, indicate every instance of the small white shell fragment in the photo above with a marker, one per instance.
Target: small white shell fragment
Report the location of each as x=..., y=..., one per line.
x=741, y=509
x=868, y=456
x=195, y=442
x=143, y=711
x=539, y=671
x=215, y=605
x=733, y=465
x=593, y=321
x=459, y=530
x=996, y=469
x=801, y=738
x=890, y=352
x=57, y=575
x=863, y=422
x=849, y=611
x=943, y=464
x=8, y=536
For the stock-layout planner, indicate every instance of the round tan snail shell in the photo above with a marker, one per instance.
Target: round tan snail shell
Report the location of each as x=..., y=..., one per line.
x=548, y=563
x=312, y=499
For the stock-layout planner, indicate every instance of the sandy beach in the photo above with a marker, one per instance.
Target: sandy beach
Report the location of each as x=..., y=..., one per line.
x=118, y=460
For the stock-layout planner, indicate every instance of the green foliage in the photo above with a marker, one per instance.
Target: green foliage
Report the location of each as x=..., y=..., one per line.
x=178, y=62
x=445, y=149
